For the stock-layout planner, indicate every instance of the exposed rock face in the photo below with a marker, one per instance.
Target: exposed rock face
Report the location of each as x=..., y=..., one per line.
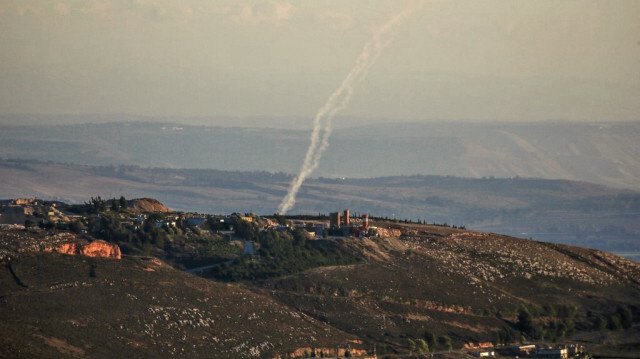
x=388, y=232
x=97, y=248
x=72, y=248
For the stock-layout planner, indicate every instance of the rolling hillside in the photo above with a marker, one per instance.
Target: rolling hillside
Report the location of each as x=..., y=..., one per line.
x=411, y=282
x=467, y=285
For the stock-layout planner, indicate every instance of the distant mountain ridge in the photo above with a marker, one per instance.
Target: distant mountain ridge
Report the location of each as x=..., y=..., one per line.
x=605, y=153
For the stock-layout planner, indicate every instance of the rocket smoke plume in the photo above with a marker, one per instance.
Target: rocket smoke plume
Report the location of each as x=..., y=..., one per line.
x=339, y=100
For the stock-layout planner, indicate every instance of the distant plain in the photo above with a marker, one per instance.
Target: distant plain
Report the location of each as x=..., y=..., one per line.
x=574, y=183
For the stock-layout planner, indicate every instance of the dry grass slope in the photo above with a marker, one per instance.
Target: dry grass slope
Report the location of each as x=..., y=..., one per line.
x=141, y=307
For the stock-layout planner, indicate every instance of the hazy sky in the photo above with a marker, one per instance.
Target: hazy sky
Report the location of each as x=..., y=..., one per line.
x=503, y=60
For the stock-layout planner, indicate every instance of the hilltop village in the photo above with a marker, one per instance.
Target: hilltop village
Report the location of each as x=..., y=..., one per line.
x=146, y=227
x=395, y=288
x=138, y=213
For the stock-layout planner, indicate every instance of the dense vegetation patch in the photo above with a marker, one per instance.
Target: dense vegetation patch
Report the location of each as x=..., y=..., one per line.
x=283, y=253
x=179, y=243
x=278, y=252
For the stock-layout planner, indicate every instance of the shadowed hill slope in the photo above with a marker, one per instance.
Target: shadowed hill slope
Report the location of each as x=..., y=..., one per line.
x=55, y=305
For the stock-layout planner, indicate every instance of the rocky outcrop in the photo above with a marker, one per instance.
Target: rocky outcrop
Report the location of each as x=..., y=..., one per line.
x=388, y=232
x=101, y=248
x=72, y=248
x=97, y=248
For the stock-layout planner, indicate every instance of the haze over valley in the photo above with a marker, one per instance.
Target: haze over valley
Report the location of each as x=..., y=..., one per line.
x=603, y=153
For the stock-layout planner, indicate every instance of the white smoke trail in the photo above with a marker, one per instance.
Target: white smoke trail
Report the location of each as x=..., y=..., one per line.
x=339, y=99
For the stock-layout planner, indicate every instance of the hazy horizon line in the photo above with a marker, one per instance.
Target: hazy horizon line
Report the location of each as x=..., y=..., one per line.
x=293, y=122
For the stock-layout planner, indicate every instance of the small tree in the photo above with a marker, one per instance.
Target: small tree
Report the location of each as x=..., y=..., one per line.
x=525, y=321
x=97, y=205
x=614, y=322
x=123, y=202
x=600, y=323
x=76, y=226
x=431, y=340
x=561, y=330
x=626, y=317
x=156, y=216
x=549, y=310
x=421, y=346
x=299, y=237
x=281, y=219
x=568, y=311
x=444, y=341
x=412, y=345
x=28, y=223
x=115, y=205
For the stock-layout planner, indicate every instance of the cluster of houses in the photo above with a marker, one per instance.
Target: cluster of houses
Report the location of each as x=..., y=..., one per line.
x=339, y=224
x=37, y=212
x=169, y=220
x=529, y=351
